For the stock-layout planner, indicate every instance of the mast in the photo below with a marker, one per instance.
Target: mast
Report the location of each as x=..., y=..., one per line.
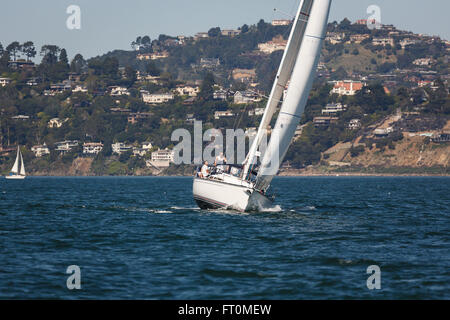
x=15, y=168
x=283, y=75
x=297, y=94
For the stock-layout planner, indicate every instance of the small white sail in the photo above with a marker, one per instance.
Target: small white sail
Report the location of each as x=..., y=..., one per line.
x=22, y=166
x=15, y=168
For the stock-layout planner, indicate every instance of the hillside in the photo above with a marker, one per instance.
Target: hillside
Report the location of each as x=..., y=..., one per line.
x=380, y=102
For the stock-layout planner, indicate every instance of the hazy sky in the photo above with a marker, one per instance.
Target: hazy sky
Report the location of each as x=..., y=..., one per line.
x=113, y=24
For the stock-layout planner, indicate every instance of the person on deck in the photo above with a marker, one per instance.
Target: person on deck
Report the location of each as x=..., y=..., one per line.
x=220, y=159
x=220, y=163
x=204, y=172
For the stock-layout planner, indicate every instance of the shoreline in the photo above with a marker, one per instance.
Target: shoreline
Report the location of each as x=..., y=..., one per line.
x=306, y=175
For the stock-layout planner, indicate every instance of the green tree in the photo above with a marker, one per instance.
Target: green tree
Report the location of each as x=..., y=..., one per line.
x=207, y=87
x=29, y=50
x=214, y=32
x=49, y=54
x=78, y=63
x=13, y=49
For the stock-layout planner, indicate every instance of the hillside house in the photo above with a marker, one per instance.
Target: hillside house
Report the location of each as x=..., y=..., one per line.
x=161, y=158
x=134, y=118
x=243, y=97
x=335, y=37
x=358, y=38
x=281, y=22
x=334, y=108
x=66, y=146
x=277, y=43
x=354, y=124
x=92, y=148
x=223, y=114
x=120, y=147
x=383, y=42
x=157, y=98
x=347, y=87
x=187, y=91
x=324, y=121
x=230, y=33
x=256, y=112
x=4, y=81
x=40, y=150
x=201, y=35
x=244, y=75
x=56, y=122
x=116, y=91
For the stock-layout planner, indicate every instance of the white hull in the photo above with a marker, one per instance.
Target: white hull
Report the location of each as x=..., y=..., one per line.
x=15, y=177
x=213, y=194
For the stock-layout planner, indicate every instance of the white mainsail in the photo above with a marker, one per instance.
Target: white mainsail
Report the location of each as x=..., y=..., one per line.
x=15, y=168
x=282, y=78
x=22, y=166
x=297, y=95
x=225, y=189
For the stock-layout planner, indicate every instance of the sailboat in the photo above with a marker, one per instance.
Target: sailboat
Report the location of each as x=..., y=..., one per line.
x=18, y=169
x=244, y=188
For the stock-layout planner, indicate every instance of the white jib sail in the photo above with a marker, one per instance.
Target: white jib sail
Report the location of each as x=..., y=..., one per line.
x=15, y=168
x=283, y=75
x=22, y=166
x=297, y=94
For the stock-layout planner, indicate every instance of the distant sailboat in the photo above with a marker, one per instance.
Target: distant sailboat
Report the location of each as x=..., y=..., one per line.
x=18, y=170
x=244, y=187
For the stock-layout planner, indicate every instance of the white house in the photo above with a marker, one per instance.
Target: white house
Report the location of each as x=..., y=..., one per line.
x=424, y=62
x=347, y=87
x=335, y=37
x=56, y=122
x=221, y=94
x=281, y=22
x=223, y=114
x=230, y=33
x=118, y=91
x=79, y=88
x=157, y=98
x=147, y=146
x=120, y=147
x=92, y=148
x=65, y=146
x=383, y=42
x=256, y=112
x=187, y=91
x=40, y=150
x=242, y=97
x=354, y=124
x=161, y=158
x=333, y=108
x=4, y=81
x=277, y=43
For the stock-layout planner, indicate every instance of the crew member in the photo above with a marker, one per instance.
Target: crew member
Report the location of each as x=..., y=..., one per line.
x=204, y=172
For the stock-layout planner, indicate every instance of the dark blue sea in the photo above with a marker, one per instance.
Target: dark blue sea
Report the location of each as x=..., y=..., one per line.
x=144, y=238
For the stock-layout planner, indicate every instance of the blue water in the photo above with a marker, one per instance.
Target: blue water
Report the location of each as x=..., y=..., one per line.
x=144, y=238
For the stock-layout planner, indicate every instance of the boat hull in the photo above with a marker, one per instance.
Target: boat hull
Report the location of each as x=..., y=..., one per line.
x=15, y=177
x=212, y=194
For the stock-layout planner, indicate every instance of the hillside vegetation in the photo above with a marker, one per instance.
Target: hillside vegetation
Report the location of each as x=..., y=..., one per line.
x=101, y=100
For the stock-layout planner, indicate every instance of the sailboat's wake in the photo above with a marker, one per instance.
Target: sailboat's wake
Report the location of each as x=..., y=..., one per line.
x=273, y=209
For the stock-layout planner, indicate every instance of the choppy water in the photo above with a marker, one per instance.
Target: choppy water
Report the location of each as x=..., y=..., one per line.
x=145, y=238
